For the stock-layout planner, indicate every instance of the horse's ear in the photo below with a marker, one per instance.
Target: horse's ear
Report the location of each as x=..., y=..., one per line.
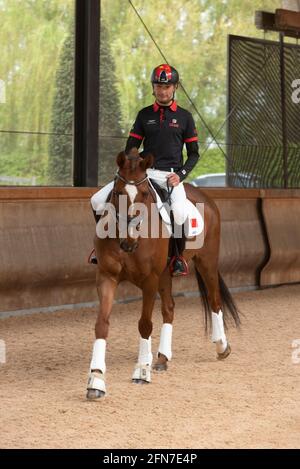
x=147, y=162
x=121, y=158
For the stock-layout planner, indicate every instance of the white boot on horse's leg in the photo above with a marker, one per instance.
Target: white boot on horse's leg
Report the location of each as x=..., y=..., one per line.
x=165, y=348
x=142, y=371
x=96, y=381
x=219, y=337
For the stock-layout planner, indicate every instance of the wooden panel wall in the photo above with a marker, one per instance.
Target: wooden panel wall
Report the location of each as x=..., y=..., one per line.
x=46, y=235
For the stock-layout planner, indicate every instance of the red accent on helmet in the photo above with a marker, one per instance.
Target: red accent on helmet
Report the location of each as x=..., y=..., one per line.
x=165, y=74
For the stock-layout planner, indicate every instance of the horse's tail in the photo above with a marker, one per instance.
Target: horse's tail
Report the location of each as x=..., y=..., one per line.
x=229, y=308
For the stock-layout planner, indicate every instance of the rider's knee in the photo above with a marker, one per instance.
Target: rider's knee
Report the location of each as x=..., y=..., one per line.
x=98, y=200
x=95, y=201
x=179, y=213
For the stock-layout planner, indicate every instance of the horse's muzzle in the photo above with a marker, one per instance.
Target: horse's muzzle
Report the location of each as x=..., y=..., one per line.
x=128, y=247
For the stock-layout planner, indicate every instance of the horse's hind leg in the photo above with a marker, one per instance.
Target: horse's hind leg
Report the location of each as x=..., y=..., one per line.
x=96, y=384
x=207, y=268
x=167, y=309
x=142, y=371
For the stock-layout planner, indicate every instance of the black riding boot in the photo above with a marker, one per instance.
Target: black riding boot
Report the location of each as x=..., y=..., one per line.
x=178, y=265
x=92, y=257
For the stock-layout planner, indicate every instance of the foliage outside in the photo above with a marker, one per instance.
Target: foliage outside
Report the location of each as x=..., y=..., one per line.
x=37, y=67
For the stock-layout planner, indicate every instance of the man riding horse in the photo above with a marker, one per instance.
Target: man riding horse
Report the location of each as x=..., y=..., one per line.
x=163, y=128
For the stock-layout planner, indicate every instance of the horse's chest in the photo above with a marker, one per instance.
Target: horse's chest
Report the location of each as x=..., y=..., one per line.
x=136, y=272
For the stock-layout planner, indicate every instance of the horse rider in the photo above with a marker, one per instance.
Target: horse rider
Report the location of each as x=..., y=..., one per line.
x=163, y=128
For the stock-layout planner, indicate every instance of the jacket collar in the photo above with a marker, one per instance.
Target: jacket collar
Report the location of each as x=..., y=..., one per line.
x=173, y=106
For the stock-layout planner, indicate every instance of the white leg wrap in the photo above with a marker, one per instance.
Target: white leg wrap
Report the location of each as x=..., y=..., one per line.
x=145, y=354
x=165, y=344
x=98, y=358
x=96, y=381
x=142, y=370
x=218, y=334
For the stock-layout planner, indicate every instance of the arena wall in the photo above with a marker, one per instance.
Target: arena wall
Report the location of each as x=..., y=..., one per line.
x=46, y=235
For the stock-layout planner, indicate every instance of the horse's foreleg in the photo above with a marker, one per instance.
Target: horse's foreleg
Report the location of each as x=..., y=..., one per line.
x=210, y=276
x=142, y=371
x=96, y=383
x=167, y=308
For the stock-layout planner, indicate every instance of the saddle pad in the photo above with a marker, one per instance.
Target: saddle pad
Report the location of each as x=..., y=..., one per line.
x=194, y=223
x=194, y=220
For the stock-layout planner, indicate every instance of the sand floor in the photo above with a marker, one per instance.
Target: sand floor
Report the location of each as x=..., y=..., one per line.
x=251, y=400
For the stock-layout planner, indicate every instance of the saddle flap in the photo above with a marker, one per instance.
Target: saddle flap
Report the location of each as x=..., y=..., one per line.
x=163, y=194
x=194, y=223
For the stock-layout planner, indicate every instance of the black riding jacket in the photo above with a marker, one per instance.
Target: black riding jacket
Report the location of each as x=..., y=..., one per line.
x=164, y=131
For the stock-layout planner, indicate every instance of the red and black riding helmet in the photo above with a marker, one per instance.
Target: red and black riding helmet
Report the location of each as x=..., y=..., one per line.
x=165, y=74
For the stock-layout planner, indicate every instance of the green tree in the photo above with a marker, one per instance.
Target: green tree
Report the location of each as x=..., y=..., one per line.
x=111, y=139
x=110, y=135
x=61, y=142
x=193, y=37
x=192, y=34
x=31, y=35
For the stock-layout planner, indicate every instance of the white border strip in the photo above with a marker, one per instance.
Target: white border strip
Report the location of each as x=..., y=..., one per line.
x=93, y=304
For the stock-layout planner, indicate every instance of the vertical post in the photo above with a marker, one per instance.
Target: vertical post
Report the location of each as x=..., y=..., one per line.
x=86, y=125
x=228, y=126
x=283, y=111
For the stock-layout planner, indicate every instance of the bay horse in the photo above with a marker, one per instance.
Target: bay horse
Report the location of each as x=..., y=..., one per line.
x=144, y=262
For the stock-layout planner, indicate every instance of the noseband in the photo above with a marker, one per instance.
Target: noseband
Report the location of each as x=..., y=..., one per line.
x=126, y=181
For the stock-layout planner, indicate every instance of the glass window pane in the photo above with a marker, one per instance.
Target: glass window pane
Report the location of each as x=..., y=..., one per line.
x=193, y=37
x=36, y=91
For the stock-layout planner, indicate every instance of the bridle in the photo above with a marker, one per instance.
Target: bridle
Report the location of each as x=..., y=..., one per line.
x=129, y=219
x=127, y=181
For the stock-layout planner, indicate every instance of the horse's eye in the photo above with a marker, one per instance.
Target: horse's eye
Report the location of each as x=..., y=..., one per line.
x=144, y=194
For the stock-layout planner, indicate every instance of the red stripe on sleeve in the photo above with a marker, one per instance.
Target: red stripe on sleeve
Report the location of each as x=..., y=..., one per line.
x=192, y=139
x=139, y=137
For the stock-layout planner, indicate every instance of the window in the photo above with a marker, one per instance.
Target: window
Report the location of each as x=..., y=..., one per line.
x=36, y=91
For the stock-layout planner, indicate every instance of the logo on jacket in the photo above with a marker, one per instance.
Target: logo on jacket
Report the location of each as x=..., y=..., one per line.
x=174, y=123
x=151, y=121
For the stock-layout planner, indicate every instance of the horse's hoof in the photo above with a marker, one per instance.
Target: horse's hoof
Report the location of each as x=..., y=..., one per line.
x=160, y=367
x=93, y=394
x=140, y=381
x=227, y=351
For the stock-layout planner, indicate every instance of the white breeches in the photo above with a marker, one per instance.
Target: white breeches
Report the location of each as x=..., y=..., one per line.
x=178, y=196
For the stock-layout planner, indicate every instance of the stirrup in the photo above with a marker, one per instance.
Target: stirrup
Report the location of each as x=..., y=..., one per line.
x=178, y=266
x=93, y=258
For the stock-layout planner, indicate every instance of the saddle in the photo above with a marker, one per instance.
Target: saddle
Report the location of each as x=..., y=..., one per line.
x=163, y=194
x=193, y=225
